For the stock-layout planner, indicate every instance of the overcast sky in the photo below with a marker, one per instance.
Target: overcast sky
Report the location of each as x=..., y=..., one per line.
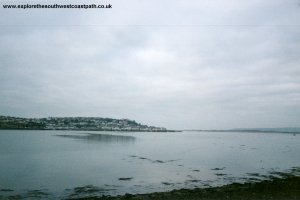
x=181, y=64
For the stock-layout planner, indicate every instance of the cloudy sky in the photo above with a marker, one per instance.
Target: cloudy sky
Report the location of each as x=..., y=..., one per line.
x=173, y=63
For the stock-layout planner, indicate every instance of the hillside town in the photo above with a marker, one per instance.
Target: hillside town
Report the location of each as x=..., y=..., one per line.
x=76, y=123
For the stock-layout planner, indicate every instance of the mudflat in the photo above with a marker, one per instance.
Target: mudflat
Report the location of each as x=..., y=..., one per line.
x=287, y=188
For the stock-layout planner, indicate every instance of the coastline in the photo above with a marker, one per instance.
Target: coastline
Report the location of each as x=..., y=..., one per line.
x=96, y=130
x=282, y=186
x=77, y=124
x=286, y=188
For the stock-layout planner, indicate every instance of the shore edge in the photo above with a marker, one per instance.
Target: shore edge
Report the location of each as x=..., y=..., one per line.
x=287, y=188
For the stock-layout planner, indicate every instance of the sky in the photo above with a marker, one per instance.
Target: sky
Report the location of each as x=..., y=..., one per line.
x=209, y=64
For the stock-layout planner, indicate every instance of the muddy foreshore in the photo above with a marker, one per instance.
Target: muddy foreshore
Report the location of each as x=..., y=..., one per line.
x=285, y=188
x=281, y=186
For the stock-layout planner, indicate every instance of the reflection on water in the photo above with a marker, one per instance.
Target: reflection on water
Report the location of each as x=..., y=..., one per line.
x=101, y=138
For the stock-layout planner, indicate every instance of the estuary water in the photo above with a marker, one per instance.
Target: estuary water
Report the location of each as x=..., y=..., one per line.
x=53, y=164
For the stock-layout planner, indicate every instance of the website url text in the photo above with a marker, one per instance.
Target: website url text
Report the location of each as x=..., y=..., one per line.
x=55, y=6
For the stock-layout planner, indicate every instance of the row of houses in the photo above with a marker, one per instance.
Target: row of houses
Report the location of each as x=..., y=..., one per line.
x=75, y=123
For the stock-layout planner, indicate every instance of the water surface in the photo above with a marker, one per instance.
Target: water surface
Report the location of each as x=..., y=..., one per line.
x=63, y=163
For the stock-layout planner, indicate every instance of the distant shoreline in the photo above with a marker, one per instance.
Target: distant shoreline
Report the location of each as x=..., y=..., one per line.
x=247, y=131
x=28, y=129
x=76, y=124
x=229, y=131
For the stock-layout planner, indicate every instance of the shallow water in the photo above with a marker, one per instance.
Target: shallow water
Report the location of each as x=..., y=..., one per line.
x=70, y=163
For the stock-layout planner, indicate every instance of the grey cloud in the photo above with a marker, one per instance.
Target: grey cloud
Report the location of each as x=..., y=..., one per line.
x=141, y=61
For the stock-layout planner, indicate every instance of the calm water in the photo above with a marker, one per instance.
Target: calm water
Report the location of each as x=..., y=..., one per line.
x=62, y=163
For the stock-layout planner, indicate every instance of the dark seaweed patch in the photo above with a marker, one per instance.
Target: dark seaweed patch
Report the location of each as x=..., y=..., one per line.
x=6, y=190
x=154, y=161
x=167, y=183
x=220, y=174
x=125, y=179
x=194, y=181
x=253, y=174
x=217, y=168
x=87, y=191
